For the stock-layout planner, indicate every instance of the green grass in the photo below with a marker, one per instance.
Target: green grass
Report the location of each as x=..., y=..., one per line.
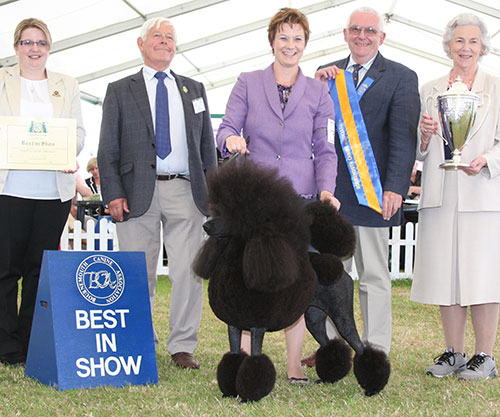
x=417, y=338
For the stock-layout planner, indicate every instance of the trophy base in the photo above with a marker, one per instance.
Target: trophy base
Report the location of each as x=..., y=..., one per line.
x=452, y=165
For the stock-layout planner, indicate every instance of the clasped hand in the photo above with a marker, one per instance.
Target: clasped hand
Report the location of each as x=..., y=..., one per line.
x=236, y=144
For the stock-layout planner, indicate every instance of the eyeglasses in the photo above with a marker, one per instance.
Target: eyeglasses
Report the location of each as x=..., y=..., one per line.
x=356, y=30
x=27, y=42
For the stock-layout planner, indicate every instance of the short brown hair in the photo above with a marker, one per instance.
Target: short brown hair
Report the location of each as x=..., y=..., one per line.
x=32, y=23
x=290, y=16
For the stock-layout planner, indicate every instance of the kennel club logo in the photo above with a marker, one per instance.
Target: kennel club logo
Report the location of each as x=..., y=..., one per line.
x=100, y=280
x=37, y=127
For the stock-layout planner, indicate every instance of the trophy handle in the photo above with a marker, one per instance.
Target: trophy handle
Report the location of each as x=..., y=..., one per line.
x=434, y=104
x=486, y=100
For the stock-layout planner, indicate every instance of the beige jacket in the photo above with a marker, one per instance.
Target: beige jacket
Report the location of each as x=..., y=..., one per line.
x=65, y=98
x=475, y=193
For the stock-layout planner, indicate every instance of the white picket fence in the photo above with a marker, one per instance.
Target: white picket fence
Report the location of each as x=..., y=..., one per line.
x=80, y=239
x=405, y=247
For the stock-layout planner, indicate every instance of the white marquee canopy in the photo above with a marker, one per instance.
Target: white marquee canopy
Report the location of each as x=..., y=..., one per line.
x=95, y=40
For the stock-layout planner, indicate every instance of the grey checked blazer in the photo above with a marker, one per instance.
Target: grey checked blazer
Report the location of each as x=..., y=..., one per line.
x=127, y=157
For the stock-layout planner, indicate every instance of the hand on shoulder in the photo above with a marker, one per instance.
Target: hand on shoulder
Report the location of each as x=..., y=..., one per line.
x=327, y=73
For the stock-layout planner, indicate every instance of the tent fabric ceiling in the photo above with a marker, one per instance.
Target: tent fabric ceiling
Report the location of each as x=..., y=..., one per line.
x=95, y=40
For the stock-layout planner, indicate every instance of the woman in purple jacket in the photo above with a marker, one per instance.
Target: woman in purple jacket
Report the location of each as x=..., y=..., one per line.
x=290, y=121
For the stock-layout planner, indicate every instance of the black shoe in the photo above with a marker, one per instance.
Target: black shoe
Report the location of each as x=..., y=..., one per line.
x=13, y=359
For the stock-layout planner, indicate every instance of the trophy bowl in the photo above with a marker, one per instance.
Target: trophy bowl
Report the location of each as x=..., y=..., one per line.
x=457, y=109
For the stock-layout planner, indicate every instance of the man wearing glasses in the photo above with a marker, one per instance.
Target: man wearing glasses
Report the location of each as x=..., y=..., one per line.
x=385, y=132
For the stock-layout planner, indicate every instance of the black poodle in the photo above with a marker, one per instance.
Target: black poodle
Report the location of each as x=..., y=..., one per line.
x=271, y=258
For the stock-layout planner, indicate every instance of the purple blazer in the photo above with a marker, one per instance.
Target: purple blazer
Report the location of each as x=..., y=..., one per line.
x=294, y=142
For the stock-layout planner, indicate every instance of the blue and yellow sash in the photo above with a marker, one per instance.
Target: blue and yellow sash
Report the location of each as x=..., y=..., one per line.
x=354, y=139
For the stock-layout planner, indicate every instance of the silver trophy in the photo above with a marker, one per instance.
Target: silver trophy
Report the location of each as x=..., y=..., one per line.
x=457, y=111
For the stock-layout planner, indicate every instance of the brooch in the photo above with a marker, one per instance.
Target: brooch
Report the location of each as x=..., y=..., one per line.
x=185, y=89
x=56, y=94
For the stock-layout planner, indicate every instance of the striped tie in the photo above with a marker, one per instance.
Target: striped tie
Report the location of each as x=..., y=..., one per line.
x=355, y=73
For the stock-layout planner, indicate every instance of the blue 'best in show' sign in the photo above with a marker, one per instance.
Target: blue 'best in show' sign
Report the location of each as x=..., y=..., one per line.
x=92, y=324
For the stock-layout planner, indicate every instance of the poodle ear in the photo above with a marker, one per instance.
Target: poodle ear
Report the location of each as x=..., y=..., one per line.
x=269, y=264
x=206, y=260
x=328, y=267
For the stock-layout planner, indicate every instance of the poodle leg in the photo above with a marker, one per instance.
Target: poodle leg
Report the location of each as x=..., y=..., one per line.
x=372, y=370
x=340, y=309
x=333, y=358
x=371, y=365
x=230, y=363
x=256, y=376
x=257, y=340
x=316, y=324
x=234, y=339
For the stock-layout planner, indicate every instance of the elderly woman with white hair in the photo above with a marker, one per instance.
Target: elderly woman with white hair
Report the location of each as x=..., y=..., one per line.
x=457, y=263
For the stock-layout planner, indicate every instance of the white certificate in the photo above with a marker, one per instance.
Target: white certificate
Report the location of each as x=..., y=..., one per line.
x=41, y=144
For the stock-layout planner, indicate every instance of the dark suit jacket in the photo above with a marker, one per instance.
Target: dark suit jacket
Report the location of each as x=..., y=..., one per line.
x=391, y=110
x=127, y=157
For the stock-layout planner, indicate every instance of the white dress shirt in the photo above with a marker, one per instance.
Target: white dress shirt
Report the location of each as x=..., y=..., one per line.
x=363, y=70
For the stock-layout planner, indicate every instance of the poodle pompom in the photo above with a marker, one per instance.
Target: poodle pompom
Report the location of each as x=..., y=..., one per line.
x=372, y=370
x=328, y=268
x=333, y=361
x=227, y=371
x=330, y=232
x=269, y=264
x=256, y=378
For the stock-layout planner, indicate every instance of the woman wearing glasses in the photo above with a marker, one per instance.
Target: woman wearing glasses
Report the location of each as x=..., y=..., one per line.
x=34, y=205
x=286, y=117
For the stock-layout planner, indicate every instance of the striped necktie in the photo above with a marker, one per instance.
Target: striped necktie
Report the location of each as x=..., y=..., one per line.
x=355, y=73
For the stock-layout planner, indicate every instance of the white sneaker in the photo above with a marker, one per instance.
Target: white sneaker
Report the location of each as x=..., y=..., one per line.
x=480, y=366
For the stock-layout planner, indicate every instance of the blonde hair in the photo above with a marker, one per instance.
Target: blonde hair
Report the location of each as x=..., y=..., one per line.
x=32, y=23
x=92, y=163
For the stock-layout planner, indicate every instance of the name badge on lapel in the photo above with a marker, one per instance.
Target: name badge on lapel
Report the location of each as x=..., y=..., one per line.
x=198, y=105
